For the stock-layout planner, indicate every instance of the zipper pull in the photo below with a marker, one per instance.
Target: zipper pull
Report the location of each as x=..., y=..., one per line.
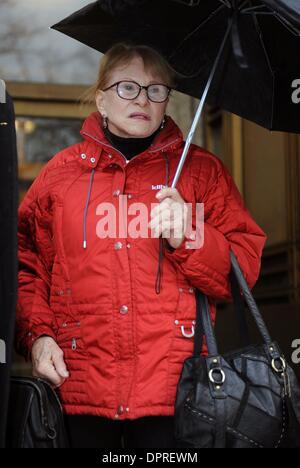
x=74, y=344
x=287, y=384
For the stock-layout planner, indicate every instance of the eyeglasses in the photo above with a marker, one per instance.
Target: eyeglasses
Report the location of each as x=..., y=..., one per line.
x=130, y=90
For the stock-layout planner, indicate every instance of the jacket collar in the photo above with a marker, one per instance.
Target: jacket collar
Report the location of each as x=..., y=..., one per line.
x=169, y=138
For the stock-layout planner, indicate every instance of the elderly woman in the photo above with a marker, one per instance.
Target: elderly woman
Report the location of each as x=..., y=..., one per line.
x=107, y=313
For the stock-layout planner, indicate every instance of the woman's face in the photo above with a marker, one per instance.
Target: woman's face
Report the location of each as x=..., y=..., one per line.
x=120, y=112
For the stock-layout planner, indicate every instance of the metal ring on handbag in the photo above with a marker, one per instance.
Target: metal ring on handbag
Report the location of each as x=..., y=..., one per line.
x=51, y=433
x=188, y=335
x=220, y=371
x=283, y=365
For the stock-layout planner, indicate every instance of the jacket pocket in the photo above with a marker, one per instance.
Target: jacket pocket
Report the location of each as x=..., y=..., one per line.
x=69, y=339
x=182, y=348
x=186, y=306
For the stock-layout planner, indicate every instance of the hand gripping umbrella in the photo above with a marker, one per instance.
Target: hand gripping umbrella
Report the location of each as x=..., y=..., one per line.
x=240, y=55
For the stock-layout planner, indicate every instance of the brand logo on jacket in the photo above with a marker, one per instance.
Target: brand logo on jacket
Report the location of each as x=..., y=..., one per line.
x=296, y=93
x=296, y=353
x=2, y=352
x=158, y=187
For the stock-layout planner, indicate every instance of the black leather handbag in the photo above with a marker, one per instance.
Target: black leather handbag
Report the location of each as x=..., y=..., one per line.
x=35, y=416
x=249, y=398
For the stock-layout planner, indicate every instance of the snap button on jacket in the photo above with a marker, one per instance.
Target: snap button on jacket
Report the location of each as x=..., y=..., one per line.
x=124, y=342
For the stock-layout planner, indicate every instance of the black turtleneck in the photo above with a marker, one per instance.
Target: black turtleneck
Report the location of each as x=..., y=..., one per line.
x=130, y=147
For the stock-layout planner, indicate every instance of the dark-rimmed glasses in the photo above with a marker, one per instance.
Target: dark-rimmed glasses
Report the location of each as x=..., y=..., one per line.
x=130, y=90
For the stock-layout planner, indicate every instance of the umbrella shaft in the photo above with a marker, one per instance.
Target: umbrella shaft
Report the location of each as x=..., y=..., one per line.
x=201, y=106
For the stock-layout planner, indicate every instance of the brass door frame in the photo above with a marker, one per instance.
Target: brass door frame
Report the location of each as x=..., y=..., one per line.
x=292, y=145
x=48, y=100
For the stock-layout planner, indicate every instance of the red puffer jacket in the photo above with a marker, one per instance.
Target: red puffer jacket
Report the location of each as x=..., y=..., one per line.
x=124, y=343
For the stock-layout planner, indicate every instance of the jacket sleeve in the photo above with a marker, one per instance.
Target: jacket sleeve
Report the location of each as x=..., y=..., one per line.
x=34, y=316
x=227, y=225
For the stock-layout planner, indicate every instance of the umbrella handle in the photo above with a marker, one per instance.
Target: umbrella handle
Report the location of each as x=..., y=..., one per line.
x=201, y=105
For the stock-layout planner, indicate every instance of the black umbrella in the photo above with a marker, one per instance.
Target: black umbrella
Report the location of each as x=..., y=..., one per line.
x=241, y=55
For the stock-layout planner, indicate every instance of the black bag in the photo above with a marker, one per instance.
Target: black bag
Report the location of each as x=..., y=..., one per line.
x=35, y=416
x=249, y=398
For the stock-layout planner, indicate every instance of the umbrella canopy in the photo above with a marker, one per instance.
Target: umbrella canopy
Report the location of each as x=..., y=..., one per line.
x=258, y=72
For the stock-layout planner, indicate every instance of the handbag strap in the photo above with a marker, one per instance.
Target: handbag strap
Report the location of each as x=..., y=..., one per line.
x=240, y=313
x=240, y=310
x=204, y=326
x=250, y=301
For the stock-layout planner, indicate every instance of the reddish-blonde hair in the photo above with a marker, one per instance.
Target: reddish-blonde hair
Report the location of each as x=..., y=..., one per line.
x=121, y=54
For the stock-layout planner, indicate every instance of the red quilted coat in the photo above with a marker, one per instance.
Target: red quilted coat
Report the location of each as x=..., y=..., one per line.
x=124, y=343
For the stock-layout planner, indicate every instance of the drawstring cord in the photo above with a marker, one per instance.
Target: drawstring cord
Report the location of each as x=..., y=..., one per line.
x=86, y=208
x=161, y=240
